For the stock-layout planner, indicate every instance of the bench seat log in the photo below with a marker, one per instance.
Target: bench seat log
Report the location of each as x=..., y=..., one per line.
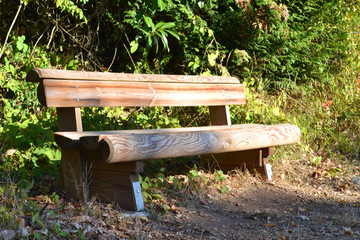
x=107, y=163
x=133, y=145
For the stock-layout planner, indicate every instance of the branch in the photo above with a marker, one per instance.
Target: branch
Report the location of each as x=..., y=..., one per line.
x=127, y=50
x=10, y=29
x=112, y=62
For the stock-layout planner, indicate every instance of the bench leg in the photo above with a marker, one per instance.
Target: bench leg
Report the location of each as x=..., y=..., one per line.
x=70, y=174
x=266, y=153
x=118, y=187
x=84, y=175
x=255, y=160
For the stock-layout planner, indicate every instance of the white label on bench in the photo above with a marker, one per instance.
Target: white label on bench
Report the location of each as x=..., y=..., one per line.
x=138, y=196
x=268, y=171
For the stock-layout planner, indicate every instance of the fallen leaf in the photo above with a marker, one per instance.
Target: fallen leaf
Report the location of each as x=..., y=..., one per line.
x=105, y=214
x=348, y=230
x=302, y=209
x=144, y=219
x=10, y=152
x=175, y=209
x=271, y=225
x=327, y=104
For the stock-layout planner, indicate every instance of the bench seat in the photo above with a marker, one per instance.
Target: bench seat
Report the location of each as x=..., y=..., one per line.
x=144, y=144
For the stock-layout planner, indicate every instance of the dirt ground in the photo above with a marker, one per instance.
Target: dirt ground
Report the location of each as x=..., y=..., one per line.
x=291, y=206
x=255, y=209
x=259, y=210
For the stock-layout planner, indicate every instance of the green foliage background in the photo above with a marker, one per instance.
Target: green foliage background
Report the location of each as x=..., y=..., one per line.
x=293, y=57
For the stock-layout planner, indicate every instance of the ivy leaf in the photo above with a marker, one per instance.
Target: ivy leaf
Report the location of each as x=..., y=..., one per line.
x=194, y=65
x=201, y=4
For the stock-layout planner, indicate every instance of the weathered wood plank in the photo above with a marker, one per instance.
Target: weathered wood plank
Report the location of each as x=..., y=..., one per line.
x=37, y=74
x=58, y=93
x=161, y=144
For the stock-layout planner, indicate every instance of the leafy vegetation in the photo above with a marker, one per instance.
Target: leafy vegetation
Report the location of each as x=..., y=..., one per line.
x=298, y=60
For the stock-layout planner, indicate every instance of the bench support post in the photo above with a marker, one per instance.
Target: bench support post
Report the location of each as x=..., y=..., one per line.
x=82, y=174
x=255, y=160
x=69, y=119
x=116, y=182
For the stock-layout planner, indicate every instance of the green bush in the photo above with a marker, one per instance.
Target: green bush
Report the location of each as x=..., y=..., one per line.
x=286, y=52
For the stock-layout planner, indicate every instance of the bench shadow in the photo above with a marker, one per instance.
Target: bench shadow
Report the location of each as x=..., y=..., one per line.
x=266, y=211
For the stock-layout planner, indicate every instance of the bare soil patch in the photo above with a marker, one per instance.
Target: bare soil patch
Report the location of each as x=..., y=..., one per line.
x=292, y=206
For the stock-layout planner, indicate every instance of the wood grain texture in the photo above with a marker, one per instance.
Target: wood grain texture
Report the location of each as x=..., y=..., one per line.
x=206, y=140
x=97, y=135
x=60, y=93
x=37, y=74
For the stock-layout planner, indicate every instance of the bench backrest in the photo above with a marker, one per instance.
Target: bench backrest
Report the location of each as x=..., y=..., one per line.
x=62, y=88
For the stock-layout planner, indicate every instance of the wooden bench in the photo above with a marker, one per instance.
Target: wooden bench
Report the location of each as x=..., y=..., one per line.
x=107, y=163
